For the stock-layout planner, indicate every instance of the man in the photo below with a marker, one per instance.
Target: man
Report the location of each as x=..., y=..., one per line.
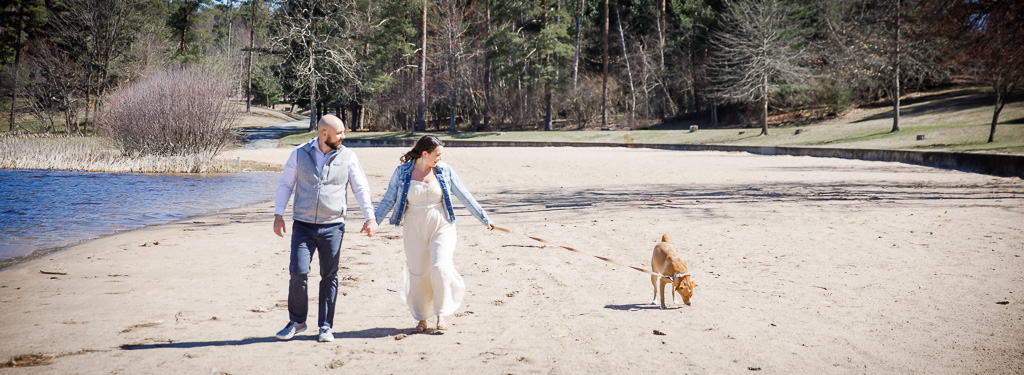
x=319, y=172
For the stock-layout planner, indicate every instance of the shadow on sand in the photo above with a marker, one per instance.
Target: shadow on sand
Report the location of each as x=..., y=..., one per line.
x=371, y=333
x=698, y=197
x=637, y=307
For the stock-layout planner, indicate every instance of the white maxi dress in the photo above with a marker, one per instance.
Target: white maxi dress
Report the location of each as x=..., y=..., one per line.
x=431, y=286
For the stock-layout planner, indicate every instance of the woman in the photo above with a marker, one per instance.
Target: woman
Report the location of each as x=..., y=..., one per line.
x=422, y=187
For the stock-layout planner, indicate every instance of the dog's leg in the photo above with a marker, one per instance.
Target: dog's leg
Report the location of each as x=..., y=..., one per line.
x=654, y=283
x=663, y=282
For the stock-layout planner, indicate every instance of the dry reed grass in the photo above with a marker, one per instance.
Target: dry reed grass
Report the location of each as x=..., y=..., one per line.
x=93, y=156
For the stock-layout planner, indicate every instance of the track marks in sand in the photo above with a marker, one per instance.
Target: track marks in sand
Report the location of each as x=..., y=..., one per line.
x=142, y=325
x=31, y=360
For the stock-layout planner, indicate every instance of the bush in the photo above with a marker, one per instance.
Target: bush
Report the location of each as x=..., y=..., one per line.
x=178, y=112
x=583, y=103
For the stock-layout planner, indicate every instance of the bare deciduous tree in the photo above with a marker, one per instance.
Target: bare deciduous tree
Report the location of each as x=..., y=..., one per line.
x=992, y=43
x=97, y=33
x=880, y=47
x=421, y=120
x=755, y=55
x=314, y=40
x=454, y=43
x=53, y=88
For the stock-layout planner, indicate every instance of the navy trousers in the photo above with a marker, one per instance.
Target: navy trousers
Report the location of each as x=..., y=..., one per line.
x=324, y=239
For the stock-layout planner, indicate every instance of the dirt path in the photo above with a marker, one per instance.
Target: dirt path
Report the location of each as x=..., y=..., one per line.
x=805, y=265
x=268, y=136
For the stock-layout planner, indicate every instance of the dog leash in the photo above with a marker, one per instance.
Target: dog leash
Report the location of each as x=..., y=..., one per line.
x=609, y=260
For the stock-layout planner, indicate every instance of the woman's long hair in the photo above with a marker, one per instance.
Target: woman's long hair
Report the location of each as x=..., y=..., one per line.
x=427, y=143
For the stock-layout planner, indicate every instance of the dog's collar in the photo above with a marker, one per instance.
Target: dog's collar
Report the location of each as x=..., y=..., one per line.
x=677, y=276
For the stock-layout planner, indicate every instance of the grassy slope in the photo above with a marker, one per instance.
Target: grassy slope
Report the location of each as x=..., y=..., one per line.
x=955, y=120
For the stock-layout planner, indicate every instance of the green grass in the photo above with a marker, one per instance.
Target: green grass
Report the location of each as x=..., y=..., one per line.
x=950, y=120
x=954, y=120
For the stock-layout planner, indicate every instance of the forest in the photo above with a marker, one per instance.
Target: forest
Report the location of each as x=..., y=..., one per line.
x=473, y=65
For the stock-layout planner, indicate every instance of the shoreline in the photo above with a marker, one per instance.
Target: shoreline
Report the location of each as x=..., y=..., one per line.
x=49, y=211
x=803, y=265
x=14, y=262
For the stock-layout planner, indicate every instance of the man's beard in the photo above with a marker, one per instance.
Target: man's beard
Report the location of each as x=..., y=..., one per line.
x=333, y=146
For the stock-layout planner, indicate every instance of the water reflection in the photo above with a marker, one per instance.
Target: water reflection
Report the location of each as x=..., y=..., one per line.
x=44, y=209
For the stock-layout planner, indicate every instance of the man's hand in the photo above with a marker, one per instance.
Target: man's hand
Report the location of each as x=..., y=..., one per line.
x=279, y=228
x=370, y=227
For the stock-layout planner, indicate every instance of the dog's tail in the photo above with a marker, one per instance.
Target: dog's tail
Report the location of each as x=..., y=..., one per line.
x=666, y=238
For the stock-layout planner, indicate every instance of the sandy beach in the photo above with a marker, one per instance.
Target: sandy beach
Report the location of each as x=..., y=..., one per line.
x=804, y=265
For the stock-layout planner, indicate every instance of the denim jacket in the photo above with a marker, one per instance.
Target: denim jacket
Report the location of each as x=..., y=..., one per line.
x=398, y=189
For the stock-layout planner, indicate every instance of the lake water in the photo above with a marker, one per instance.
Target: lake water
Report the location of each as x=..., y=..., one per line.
x=42, y=210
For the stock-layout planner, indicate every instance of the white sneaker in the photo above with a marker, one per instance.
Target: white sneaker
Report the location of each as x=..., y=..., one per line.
x=325, y=334
x=290, y=330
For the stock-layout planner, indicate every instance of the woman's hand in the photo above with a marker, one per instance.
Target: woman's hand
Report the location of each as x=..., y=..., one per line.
x=490, y=226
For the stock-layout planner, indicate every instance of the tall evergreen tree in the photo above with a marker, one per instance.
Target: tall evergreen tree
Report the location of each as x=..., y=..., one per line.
x=530, y=46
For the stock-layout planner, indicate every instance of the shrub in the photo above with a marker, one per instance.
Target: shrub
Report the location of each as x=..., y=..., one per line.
x=177, y=112
x=583, y=103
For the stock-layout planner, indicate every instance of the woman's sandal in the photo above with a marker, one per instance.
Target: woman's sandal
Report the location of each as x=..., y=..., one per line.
x=441, y=326
x=421, y=327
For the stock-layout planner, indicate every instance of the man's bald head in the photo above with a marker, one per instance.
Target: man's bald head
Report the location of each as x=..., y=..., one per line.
x=332, y=132
x=330, y=121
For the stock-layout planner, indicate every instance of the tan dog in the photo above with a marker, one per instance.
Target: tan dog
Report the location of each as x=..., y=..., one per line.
x=665, y=261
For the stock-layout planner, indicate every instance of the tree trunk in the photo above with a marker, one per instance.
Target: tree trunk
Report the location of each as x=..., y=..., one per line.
x=487, y=70
x=693, y=72
x=669, y=106
x=366, y=52
x=184, y=30
x=17, y=60
x=421, y=124
x=576, y=55
x=604, y=60
x=88, y=89
x=629, y=71
x=451, y=113
x=547, y=81
x=896, y=76
x=312, y=92
x=714, y=113
x=362, y=116
x=252, y=45
x=764, y=106
x=355, y=113
x=547, y=107
x=453, y=88
x=231, y=6
x=661, y=36
x=1000, y=102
